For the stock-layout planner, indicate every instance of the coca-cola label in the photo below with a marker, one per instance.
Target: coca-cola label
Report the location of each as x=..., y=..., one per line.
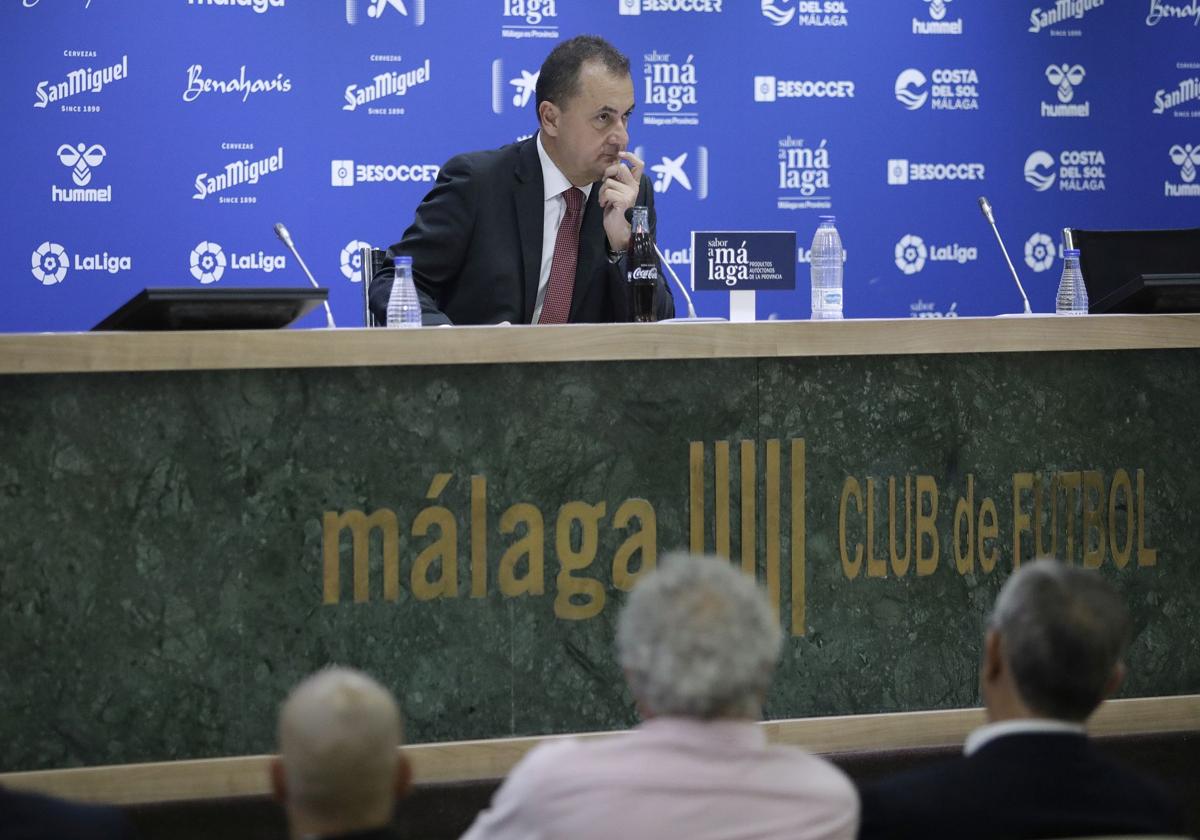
x=644, y=274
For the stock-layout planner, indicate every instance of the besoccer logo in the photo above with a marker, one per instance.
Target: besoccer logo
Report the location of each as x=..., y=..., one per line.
x=774, y=12
x=50, y=262
x=81, y=159
x=1186, y=157
x=1039, y=252
x=908, y=89
x=1034, y=165
x=1065, y=77
x=911, y=254
x=208, y=262
x=352, y=260
x=937, y=8
x=630, y=7
x=342, y=173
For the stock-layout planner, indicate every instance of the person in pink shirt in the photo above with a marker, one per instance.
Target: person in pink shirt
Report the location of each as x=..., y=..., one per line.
x=698, y=643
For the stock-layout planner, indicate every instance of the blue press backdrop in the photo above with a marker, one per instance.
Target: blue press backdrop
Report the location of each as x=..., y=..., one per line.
x=892, y=114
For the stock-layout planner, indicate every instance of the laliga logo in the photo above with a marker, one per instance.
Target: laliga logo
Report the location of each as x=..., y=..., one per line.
x=352, y=260
x=1039, y=252
x=937, y=8
x=208, y=262
x=80, y=160
x=1034, y=164
x=1065, y=78
x=1186, y=157
x=911, y=254
x=905, y=82
x=50, y=263
x=773, y=12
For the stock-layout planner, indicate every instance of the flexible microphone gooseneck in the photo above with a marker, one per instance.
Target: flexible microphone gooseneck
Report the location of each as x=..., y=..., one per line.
x=986, y=207
x=286, y=239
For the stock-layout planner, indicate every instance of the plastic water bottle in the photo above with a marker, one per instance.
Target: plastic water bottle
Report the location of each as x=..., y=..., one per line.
x=826, y=267
x=404, y=308
x=1072, y=294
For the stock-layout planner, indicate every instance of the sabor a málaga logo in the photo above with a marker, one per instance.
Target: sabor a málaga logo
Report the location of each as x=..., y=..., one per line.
x=538, y=16
x=259, y=6
x=671, y=86
x=805, y=174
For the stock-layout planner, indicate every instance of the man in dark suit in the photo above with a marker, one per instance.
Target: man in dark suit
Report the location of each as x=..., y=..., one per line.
x=1053, y=651
x=31, y=816
x=536, y=232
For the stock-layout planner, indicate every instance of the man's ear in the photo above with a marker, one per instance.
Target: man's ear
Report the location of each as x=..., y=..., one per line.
x=404, y=776
x=278, y=781
x=1115, y=679
x=548, y=114
x=993, y=657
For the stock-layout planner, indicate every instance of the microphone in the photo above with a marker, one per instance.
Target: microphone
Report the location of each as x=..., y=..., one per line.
x=986, y=207
x=286, y=239
x=686, y=297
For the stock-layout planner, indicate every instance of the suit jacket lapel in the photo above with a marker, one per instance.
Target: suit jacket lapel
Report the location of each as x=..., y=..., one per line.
x=528, y=208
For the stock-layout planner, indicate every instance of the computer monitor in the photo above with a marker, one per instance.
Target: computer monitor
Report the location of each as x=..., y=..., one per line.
x=232, y=308
x=1142, y=271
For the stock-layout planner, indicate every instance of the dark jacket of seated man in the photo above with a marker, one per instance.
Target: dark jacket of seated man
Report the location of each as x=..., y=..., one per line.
x=31, y=816
x=1053, y=651
x=476, y=245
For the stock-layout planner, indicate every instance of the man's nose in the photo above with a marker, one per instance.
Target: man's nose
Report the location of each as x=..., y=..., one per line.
x=620, y=136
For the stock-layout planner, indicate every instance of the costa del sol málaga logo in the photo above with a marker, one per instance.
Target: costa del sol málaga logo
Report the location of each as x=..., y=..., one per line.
x=774, y=12
x=908, y=89
x=50, y=262
x=911, y=254
x=208, y=262
x=1039, y=170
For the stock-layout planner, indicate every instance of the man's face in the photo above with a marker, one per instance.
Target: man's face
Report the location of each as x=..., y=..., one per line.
x=592, y=128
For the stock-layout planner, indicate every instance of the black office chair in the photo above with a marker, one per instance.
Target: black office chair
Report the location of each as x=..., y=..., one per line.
x=371, y=260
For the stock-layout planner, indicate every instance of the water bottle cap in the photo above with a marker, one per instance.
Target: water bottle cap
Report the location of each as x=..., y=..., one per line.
x=830, y=219
x=403, y=260
x=1071, y=252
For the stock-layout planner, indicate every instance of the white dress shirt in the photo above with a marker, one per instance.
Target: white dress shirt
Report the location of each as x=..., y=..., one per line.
x=1021, y=726
x=672, y=778
x=554, y=207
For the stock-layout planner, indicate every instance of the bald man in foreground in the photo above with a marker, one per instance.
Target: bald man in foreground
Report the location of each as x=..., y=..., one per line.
x=340, y=770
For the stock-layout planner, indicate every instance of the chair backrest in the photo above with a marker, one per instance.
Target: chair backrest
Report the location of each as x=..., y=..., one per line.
x=371, y=260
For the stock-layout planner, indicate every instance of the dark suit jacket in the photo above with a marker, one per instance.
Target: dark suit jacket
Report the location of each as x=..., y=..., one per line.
x=28, y=816
x=1019, y=785
x=476, y=245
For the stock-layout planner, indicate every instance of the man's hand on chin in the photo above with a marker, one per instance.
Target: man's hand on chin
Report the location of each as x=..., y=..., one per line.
x=619, y=192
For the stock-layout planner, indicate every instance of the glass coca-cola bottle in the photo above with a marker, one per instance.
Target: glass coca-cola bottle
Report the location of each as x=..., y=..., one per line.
x=642, y=267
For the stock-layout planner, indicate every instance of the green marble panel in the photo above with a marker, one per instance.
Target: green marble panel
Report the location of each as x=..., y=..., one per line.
x=162, y=535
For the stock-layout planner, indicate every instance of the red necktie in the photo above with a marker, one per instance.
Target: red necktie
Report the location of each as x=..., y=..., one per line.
x=557, y=305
